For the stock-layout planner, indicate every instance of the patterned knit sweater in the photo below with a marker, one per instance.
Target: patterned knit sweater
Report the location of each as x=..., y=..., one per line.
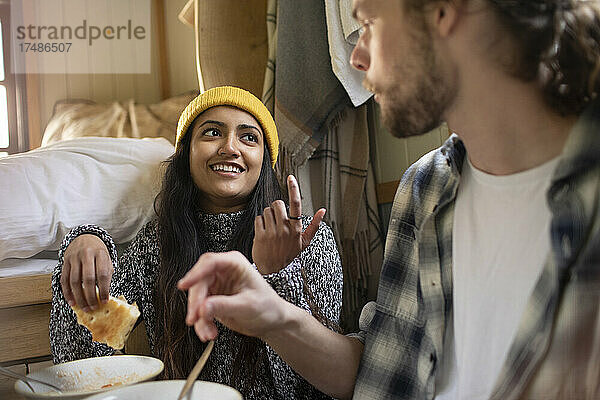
x=135, y=277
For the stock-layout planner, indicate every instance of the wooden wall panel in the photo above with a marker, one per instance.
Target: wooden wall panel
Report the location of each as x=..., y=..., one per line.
x=180, y=50
x=386, y=192
x=53, y=87
x=104, y=88
x=158, y=19
x=79, y=86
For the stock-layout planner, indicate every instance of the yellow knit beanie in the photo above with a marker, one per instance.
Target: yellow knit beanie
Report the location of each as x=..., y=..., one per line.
x=235, y=97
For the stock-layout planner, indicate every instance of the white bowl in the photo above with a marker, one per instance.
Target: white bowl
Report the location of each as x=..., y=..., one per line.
x=81, y=378
x=161, y=390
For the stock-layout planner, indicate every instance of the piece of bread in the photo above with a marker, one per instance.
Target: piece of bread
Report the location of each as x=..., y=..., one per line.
x=110, y=323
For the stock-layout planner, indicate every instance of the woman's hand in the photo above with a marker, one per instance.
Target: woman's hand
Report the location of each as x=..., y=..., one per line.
x=278, y=238
x=225, y=287
x=86, y=263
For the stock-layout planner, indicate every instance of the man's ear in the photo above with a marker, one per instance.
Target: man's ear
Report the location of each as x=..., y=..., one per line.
x=444, y=16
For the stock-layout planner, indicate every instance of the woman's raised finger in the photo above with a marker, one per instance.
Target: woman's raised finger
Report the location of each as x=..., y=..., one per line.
x=294, y=198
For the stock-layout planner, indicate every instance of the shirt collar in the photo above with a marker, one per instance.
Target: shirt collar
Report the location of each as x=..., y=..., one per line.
x=453, y=152
x=582, y=148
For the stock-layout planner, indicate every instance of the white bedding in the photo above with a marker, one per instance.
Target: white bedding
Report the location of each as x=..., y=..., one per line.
x=29, y=266
x=111, y=182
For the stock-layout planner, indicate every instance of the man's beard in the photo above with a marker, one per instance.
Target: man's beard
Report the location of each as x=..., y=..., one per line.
x=418, y=112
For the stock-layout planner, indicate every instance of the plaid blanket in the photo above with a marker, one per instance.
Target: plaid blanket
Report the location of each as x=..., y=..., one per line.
x=308, y=96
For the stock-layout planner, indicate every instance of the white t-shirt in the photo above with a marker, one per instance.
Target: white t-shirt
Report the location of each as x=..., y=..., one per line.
x=501, y=239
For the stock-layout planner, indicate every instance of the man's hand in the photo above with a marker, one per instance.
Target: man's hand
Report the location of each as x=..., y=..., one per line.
x=278, y=238
x=86, y=264
x=224, y=286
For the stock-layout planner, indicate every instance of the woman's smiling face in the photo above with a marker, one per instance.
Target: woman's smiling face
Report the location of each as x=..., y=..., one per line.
x=226, y=156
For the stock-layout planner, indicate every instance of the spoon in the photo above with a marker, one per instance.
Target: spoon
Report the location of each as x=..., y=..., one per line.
x=189, y=382
x=27, y=379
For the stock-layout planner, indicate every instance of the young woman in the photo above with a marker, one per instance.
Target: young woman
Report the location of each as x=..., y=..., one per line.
x=219, y=193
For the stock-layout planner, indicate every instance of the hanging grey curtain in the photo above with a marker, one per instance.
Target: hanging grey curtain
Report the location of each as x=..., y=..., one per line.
x=341, y=179
x=316, y=121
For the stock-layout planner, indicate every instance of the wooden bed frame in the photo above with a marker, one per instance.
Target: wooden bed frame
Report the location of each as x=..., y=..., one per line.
x=24, y=316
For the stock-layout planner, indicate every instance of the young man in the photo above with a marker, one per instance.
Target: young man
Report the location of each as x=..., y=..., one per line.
x=490, y=286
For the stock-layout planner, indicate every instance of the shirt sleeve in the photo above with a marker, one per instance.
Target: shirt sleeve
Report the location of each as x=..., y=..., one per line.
x=69, y=340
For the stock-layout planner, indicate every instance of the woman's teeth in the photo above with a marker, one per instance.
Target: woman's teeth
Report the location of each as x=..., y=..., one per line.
x=226, y=168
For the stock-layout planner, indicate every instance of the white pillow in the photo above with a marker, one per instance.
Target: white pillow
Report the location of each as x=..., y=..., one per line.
x=111, y=182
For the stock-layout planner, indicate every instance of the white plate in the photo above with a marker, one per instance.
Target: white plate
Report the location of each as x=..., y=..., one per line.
x=161, y=390
x=82, y=378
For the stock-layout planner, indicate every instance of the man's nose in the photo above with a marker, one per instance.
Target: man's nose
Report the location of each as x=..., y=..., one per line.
x=359, y=58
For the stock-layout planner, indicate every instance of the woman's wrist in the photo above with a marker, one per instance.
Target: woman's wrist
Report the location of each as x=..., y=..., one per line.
x=88, y=229
x=265, y=269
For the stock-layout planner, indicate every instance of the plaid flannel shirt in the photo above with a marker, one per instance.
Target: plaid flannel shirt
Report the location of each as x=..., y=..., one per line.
x=556, y=351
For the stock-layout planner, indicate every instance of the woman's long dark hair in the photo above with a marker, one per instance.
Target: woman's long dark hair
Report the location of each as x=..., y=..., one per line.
x=177, y=207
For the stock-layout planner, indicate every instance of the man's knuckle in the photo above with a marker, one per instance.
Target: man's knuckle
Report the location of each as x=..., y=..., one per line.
x=206, y=257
